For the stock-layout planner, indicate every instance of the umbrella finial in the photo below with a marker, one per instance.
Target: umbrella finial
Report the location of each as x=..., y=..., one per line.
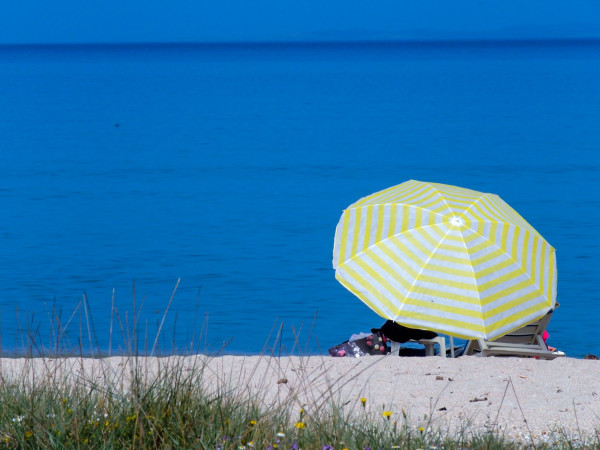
x=457, y=221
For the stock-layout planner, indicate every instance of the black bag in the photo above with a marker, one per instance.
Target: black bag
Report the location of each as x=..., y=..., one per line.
x=374, y=344
x=398, y=333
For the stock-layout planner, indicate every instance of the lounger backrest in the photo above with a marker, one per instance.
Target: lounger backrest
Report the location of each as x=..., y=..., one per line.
x=526, y=341
x=527, y=334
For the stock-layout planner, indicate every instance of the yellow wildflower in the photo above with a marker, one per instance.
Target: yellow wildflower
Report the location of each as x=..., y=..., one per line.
x=386, y=414
x=300, y=425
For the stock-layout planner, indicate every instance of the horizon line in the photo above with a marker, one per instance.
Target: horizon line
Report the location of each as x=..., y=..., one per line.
x=301, y=42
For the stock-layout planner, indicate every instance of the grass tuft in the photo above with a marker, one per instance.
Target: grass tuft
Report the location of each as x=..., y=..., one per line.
x=133, y=401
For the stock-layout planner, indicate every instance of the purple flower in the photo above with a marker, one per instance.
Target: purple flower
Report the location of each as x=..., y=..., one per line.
x=294, y=446
x=327, y=447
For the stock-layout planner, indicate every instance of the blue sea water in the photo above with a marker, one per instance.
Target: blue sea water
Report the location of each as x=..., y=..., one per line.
x=228, y=166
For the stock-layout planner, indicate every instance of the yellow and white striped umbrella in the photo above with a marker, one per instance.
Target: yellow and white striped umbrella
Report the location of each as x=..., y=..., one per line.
x=446, y=259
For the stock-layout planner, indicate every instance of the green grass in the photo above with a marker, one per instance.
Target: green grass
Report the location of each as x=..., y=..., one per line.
x=175, y=406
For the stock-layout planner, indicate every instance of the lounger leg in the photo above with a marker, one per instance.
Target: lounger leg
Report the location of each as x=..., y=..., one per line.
x=442, y=343
x=429, y=348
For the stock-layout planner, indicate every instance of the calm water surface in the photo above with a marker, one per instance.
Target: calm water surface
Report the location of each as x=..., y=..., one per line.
x=228, y=166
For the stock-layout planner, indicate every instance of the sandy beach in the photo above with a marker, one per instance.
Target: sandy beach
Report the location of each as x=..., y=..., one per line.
x=522, y=398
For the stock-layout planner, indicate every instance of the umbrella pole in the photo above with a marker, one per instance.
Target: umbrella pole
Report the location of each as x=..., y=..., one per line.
x=451, y=346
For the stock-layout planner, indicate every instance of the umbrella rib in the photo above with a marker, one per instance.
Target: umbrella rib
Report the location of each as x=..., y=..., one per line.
x=524, y=272
x=507, y=218
x=436, y=247
x=473, y=203
x=462, y=239
x=443, y=198
x=403, y=204
x=410, y=290
x=375, y=244
x=492, y=242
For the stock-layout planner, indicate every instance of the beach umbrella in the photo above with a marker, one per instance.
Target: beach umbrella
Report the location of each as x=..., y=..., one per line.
x=446, y=259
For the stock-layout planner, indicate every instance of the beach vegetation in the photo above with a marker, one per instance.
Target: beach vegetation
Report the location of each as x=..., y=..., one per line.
x=141, y=401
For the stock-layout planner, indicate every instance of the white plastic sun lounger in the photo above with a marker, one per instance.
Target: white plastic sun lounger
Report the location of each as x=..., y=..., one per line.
x=525, y=342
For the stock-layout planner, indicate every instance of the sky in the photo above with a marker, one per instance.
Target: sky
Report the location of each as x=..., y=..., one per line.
x=112, y=21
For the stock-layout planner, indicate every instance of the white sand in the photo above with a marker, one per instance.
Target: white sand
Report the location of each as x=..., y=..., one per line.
x=523, y=398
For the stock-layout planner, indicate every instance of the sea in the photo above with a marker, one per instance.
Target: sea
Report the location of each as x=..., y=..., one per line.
x=173, y=198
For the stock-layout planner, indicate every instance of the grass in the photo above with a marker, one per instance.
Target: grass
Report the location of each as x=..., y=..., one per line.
x=132, y=401
x=172, y=408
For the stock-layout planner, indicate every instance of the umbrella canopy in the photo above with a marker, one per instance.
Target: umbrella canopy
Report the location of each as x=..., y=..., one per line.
x=446, y=259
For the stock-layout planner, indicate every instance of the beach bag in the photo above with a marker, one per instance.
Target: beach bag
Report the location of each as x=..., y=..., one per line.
x=373, y=344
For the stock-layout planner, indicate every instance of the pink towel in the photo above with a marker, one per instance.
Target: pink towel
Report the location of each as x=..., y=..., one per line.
x=545, y=336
